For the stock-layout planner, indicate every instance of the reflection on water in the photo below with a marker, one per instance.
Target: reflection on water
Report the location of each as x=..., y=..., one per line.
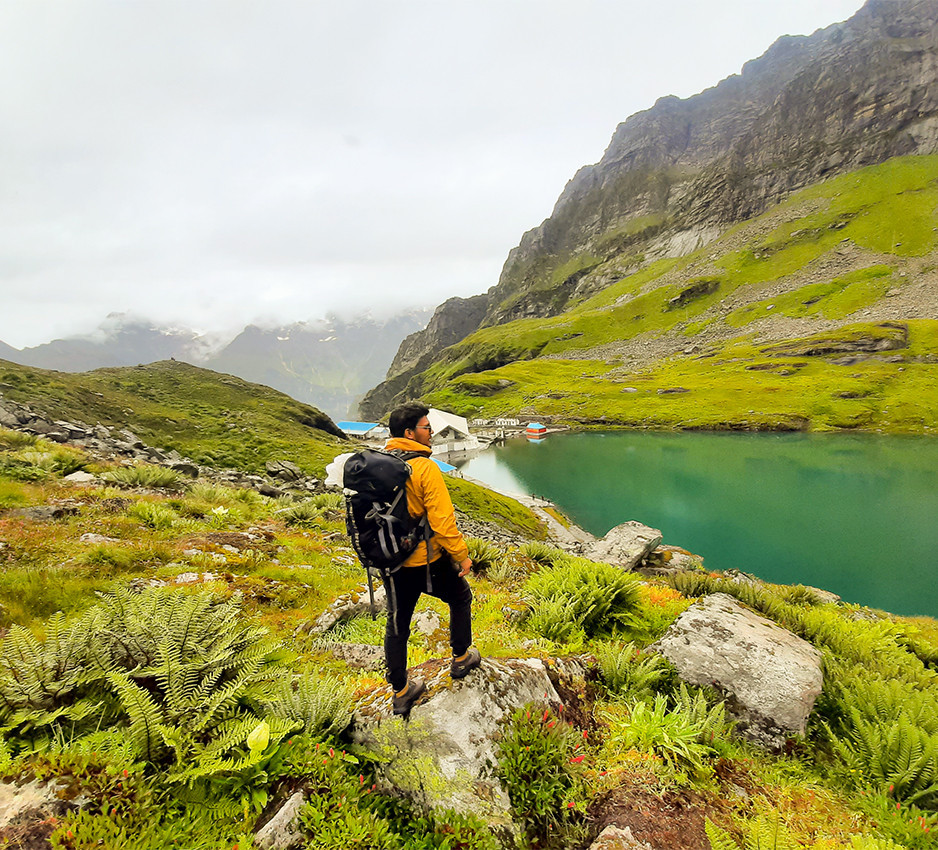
x=854, y=514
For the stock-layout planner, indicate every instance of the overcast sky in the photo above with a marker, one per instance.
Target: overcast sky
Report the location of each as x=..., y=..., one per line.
x=215, y=163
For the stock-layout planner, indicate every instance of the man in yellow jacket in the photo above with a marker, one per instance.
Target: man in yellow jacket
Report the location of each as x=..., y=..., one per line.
x=441, y=571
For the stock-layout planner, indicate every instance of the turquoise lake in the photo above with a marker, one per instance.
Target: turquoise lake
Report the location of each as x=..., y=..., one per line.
x=854, y=514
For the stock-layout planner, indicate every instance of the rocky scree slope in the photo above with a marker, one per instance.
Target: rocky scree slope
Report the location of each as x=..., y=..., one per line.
x=677, y=176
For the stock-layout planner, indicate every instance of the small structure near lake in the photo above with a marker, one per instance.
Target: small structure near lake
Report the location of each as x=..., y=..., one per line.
x=451, y=434
x=364, y=430
x=535, y=429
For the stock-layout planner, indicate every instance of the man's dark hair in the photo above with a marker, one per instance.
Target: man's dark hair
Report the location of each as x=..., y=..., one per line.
x=406, y=416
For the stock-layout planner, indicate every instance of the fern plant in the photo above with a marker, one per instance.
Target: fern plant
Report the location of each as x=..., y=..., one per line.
x=183, y=675
x=885, y=732
x=145, y=475
x=44, y=685
x=591, y=597
x=674, y=736
x=321, y=705
x=542, y=553
x=305, y=514
x=627, y=672
x=762, y=833
x=484, y=555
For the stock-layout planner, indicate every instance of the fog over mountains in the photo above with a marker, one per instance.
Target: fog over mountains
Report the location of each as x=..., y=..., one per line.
x=328, y=363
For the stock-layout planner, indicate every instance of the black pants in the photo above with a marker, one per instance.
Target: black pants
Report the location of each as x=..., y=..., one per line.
x=409, y=583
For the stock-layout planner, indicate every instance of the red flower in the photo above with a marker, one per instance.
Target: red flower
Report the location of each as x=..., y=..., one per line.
x=546, y=715
x=577, y=759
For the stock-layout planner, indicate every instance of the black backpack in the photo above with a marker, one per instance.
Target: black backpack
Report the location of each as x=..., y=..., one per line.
x=383, y=532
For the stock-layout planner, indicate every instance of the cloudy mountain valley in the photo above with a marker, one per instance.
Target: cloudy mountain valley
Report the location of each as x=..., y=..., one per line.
x=329, y=363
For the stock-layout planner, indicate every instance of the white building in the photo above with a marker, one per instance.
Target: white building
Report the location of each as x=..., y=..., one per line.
x=451, y=433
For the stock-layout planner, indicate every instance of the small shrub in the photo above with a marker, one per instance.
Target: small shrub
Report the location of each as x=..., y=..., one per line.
x=154, y=515
x=343, y=810
x=542, y=553
x=627, y=672
x=145, y=475
x=484, y=554
x=901, y=825
x=594, y=596
x=322, y=704
x=540, y=765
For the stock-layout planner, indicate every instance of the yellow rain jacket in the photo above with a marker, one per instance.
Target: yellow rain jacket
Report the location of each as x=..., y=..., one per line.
x=427, y=494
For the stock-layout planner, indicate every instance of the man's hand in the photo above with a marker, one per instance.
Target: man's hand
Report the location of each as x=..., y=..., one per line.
x=464, y=566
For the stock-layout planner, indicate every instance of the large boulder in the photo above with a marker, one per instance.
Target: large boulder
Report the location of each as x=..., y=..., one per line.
x=769, y=676
x=626, y=545
x=440, y=757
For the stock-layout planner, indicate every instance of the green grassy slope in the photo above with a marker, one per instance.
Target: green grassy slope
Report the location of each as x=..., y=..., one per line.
x=216, y=419
x=841, y=257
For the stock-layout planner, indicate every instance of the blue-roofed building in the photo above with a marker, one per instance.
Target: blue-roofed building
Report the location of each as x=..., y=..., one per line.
x=444, y=466
x=363, y=430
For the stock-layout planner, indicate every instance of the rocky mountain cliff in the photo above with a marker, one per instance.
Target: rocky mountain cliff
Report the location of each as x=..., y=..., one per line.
x=675, y=177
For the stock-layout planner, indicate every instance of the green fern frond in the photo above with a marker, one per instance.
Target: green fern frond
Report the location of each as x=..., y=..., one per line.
x=720, y=839
x=143, y=714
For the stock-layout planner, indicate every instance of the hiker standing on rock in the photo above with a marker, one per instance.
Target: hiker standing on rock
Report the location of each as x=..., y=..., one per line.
x=441, y=571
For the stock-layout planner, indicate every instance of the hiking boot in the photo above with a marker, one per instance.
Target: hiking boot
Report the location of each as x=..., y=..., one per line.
x=461, y=669
x=403, y=704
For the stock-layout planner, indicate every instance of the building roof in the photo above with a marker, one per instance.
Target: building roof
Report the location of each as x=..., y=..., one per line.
x=536, y=426
x=440, y=420
x=357, y=427
x=444, y=466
